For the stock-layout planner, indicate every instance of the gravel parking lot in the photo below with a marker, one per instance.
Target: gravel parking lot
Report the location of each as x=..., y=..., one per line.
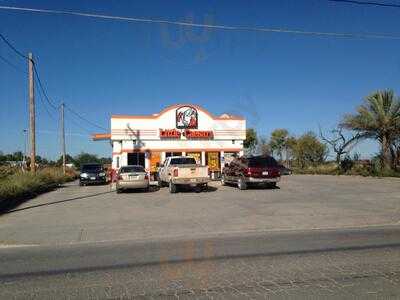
x=96, y=213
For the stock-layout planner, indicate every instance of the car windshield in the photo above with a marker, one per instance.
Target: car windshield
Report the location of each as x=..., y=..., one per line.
x=262, y=162
x=183, y=161
x=130, y=169
x=92, y=168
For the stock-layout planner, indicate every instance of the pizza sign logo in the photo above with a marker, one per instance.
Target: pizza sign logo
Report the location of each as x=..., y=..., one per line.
x=186, y=117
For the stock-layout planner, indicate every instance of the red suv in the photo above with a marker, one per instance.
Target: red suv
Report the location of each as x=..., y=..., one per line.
x=243, y=171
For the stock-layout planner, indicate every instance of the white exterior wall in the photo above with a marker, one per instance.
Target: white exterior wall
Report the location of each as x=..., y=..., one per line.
x=130, y=134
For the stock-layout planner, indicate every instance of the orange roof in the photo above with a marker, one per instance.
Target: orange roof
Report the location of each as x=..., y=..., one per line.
x=101, y=136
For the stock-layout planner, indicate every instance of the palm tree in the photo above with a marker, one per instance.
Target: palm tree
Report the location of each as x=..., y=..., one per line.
x=378, y=118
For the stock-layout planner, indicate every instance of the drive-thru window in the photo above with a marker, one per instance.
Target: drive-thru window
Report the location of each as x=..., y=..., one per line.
x=177, y=130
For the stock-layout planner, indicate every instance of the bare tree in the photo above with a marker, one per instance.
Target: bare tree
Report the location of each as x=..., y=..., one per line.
x=339, y=143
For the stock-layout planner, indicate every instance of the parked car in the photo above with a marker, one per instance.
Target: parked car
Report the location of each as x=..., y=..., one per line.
x=284, y=170
x=132, y=177
x=255, y=170
x=92, y=173
x=182, y=171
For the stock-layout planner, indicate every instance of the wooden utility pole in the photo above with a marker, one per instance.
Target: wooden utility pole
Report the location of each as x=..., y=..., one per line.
x=32, y=130
x=24, y=133
x=62, y=137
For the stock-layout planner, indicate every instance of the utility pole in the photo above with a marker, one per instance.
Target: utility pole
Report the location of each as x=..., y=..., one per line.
x=62, y=136
x=32, y=113
x=24, y=133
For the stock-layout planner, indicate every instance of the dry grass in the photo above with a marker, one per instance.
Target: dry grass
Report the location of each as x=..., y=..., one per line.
x=19, y=186
x=356, y=170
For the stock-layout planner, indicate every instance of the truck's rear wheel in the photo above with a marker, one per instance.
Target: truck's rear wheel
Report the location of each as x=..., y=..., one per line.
x=223, y=182
x=172, y=187
x=242, y=185
x=198, y=188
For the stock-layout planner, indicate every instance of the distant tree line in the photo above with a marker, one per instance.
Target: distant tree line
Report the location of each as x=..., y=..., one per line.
x=76, y=160
x=378, y=118
x=304, y=150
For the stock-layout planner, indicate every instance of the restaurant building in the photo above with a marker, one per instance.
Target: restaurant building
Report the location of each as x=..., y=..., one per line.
x=182, y=129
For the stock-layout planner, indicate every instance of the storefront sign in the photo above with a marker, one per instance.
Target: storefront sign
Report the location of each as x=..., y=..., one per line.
x=198, y=134
x=186, y=117
x=189, y=134
x=213, y=161
x=170, y=133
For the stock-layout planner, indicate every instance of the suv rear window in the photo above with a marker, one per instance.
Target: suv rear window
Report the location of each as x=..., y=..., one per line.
x=130, y=169
x=183, y=161
x=262, y=162
x=92, y=168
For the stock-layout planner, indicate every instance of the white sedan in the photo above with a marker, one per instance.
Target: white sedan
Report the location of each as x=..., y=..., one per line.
x=132, y=177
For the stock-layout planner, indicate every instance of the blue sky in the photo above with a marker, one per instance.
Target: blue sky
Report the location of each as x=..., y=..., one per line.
x=275, y=80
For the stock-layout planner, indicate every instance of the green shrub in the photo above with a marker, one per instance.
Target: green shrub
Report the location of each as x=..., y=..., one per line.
x=322, y=169
x=353, y=168
x=6, y=171
x=20, y=186
x=346, y=164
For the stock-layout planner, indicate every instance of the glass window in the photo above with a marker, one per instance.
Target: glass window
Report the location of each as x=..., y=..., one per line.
x=130, y=169
x=183, y=161
x=261, y=162
x=92, y=168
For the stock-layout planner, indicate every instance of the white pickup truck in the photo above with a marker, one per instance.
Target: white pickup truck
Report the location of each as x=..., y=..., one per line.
x=182, y=170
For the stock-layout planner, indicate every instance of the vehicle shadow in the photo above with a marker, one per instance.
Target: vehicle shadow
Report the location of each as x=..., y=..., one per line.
x=188, y=189
x=12, y=209
x=152, y=189
x=255, y=187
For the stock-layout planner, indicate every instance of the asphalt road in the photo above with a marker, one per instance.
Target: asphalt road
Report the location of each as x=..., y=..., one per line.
x=312, y=264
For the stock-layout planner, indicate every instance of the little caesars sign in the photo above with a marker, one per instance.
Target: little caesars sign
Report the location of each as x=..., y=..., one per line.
x=186, y=121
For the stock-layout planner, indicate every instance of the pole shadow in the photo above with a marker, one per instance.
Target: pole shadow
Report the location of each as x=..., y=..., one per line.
x=10, y=210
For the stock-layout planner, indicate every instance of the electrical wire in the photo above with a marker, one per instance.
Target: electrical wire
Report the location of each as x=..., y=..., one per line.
x=43, y=90
x=34, y=69
x=51, y=103
x=208, y=26
x=45, y=107
x=5, y=60
x=78, y=125
x=12, y=47
x=371, y=3
x=84, y=119
x=66, y=133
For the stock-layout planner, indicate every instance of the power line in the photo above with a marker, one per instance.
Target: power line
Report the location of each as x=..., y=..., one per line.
x=67, y=107
x=79, y=125
x=371, y=3
x=43, y=90
x=66, y=133
x=208, y=26
x=45, y=107
x=34, y=69
x=5, y=60
x=54, y=106
x=83, y=118
x=13, y=48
